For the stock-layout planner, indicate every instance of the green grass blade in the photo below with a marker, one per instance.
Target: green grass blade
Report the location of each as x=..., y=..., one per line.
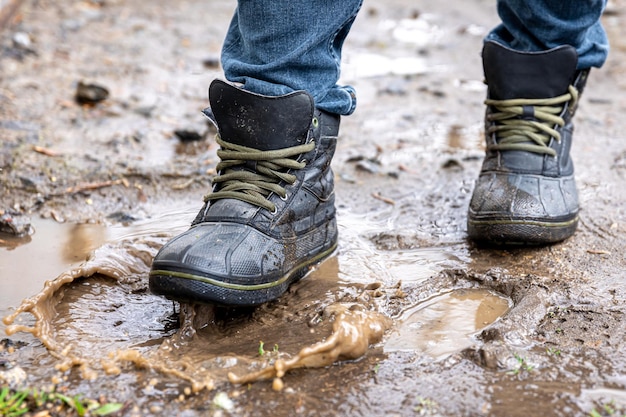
x=107, y=409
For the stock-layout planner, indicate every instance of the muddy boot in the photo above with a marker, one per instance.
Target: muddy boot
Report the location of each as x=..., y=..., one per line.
x=271, y=215
x=526, y=193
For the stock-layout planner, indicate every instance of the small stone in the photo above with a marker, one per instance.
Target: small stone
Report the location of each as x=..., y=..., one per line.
x=188, y=135
x=222, y=401
x=22, y=40
x=14, y=377
x=90, y=93
x=211, y=62
x=15, y=224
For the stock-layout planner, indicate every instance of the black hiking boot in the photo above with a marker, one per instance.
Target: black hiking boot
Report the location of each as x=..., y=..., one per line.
x=271, y=215
x=526, y=193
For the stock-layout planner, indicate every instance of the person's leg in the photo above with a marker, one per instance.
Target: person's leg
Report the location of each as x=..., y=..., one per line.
x=540, y=25
x=536, y=64
x=276, y=47
x=271, y=214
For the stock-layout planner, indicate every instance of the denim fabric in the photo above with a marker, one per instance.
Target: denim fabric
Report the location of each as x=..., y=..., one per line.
x=274, y=47
x=539, y=25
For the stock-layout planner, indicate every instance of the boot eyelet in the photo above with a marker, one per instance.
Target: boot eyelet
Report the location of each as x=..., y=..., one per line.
x=284, y=198
x=315, y=123
x=274, y=211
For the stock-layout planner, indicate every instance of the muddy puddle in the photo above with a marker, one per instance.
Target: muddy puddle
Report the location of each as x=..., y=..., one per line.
x=409, y=311
x=54, y=248
x=406, y=318
x=446, y=323
x=98, y=320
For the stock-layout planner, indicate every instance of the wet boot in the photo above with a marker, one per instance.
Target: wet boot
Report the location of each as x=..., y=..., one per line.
x=271, y=214
x=526, y=193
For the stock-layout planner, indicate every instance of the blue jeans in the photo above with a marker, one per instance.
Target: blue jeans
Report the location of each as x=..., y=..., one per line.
x=274, y=47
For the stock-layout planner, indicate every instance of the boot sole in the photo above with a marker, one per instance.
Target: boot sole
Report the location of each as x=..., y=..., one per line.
x=520, y=232
x=190, y=287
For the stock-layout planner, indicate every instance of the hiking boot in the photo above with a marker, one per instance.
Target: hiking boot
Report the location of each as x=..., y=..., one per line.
x=526, y=193
x=271, y=214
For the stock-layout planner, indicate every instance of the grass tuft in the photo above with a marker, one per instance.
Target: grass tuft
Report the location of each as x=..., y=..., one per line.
x=14, y=403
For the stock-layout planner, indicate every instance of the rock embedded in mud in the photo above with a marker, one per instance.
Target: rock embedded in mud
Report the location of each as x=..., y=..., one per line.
x=368, y=165
x=188, y=135
x=90, y=93
x=212, y=62
x=23, y=41
x=15, y=224
x=14, y=377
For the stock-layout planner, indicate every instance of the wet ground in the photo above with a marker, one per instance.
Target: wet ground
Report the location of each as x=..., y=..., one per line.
x=97, y=188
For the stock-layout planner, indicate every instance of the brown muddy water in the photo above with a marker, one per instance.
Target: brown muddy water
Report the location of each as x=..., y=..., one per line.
x=406, y=318
x=98, y=319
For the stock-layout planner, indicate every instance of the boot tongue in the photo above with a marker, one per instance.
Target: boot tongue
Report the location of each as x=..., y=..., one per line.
x=530, y=75
x=260, y=122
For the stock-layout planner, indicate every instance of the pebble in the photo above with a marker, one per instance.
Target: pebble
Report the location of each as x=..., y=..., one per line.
x=14, y=377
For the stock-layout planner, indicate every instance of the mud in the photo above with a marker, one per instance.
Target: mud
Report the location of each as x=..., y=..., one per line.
x=471, y=331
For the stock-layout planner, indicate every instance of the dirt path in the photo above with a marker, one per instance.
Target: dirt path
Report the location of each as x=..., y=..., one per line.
x=405, y=168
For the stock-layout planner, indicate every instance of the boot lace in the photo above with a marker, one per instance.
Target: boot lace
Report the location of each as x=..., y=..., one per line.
x=265, y=171
x=528, y=124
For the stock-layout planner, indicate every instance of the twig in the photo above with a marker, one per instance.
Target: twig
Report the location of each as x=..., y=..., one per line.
x=598, y=252
x=183, y=185
x=384, y=199
x=45, y=151
x=405, y=168
x=92, y=186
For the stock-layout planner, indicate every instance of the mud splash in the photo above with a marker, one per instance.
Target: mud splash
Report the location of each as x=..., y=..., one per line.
x=99, y=317
x=418, y=135
x=354, y=331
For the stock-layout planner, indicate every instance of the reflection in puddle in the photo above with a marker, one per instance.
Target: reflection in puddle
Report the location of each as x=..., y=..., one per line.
x=52, y=249
x=26, y=263
x=129, y=314
x=446, y=324
x=81, y=239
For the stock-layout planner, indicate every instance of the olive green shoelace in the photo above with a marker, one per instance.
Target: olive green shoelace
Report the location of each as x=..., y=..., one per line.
x=520, y=134
x=255, y=186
